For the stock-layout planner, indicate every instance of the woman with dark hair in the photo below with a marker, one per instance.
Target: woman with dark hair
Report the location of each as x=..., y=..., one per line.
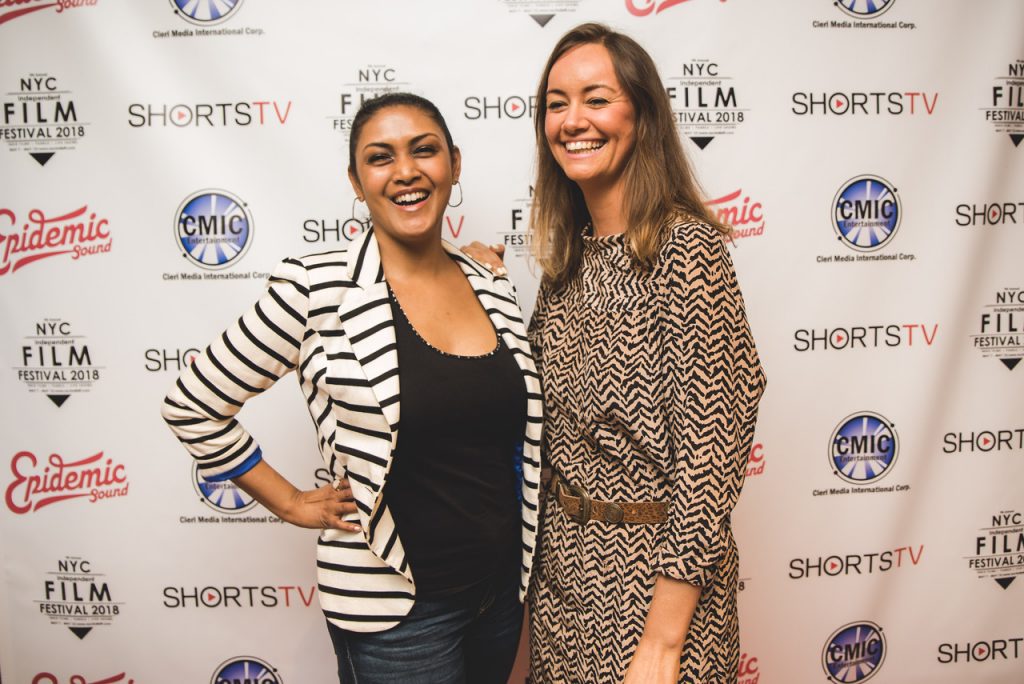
x=428, y=532
x=651, y=384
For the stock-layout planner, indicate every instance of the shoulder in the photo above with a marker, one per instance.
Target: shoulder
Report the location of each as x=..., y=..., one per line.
x=691, y=241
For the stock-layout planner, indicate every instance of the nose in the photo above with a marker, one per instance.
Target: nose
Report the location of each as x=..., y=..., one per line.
x=575, y=121
x=406, y=170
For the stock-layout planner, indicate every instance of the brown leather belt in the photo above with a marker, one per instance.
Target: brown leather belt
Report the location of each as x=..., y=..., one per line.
x=578, y=505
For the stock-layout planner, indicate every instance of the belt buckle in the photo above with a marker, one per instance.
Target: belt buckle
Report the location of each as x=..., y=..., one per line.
x=583, y=515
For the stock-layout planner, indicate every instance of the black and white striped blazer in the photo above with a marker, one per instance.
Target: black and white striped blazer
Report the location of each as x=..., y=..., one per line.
x=327, y=316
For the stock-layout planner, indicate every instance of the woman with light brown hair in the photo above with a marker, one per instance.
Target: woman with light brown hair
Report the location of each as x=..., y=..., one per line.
x=651, y=383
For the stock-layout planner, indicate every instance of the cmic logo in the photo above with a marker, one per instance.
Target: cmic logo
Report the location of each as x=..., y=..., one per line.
x=865, y=9
x=205, y=12
x=866, y=213
x=246, y=670
x=854, y=652
x=223, y=497
x=642, y=8
x=863, y=448
x=508, y=107
x=213, y=229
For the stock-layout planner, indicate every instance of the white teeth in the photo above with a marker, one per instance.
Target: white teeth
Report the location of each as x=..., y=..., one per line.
x=583, y=145
x=410, y=197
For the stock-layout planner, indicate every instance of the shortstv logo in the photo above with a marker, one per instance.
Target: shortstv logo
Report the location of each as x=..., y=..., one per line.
x=477, y=107
x=28, y=7
x=343, y=231
x=989, y=214
x=50, y=678
x=704, y=103
x=41, y=118
x=246, y=669
x=372, y=80
x=855, y=563
x=862, y=450
x=77, y=597
x=999, y=549
x=56, y=362
x=845, y=337
x=859, y=103
x=247, y=596
x=1005, y=110
x=77, y=234
x=242, y=114
x=1001, y=328
x=39, y=483
x=983, y=441
x=981, y=651
x=854, y=652
x=737, y=209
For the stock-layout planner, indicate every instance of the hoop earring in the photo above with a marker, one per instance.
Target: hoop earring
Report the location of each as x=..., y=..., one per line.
x=353, y=212
x=456, y=184
x=353, y=225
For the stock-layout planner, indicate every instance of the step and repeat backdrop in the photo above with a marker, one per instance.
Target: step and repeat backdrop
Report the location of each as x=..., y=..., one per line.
x=160, y=157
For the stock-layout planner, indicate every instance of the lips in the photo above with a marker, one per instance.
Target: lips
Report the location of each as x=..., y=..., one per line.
x=583, y=146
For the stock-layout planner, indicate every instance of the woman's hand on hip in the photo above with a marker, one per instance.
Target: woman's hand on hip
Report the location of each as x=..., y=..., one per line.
x=491, y=256
x=323, y=508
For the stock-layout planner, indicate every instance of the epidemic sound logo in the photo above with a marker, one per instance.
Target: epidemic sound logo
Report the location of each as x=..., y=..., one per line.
x=42, y=119
x=749, y=672
x=78, y=598
x=246, y=670
x=249, y=596
x=863, y=103
x=205, y=12
x=1001, y=328
x=213, y=229
x=980, y=651
x=56, y=362
x=48, y=678
x=643, y=8
x=999, y=549
x=38, y=483
x=990, y=214
x=7, y=15
x=855, y=563
x=372, y=80
x=43, y=237
x=854, y=652
x=983, y=441
x=1006, y=108
x=499, y=107
x=703, y=105
x=841, y=338
x=745, y=217
x=756, y=461
x=210, y=115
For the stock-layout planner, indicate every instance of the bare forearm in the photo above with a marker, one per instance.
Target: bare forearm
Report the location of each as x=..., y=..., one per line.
x=668, y=619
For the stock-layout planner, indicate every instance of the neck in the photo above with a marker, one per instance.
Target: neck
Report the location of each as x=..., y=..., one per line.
x=404, y=262
x=607, y=208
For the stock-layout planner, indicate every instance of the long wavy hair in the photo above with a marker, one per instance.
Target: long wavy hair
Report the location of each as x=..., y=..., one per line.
x=660, y=188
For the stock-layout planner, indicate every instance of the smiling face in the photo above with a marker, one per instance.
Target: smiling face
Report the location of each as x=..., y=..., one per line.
x=590, y=122
x=404, y=172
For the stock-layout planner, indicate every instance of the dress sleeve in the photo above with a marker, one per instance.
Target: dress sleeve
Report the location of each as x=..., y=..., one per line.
x=533, y=331
x=247, y=358
x=716, y=381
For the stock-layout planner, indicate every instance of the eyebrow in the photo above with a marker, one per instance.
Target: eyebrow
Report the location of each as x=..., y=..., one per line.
x=586, y=89
x=387, y=146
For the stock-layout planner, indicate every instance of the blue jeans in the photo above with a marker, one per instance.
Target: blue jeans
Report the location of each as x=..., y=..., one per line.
x=470, y=637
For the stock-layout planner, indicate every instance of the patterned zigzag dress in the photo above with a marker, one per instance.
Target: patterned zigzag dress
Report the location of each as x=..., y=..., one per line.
x=651, y=384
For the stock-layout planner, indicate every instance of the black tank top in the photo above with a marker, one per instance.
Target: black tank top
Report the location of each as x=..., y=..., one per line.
x=453, y=484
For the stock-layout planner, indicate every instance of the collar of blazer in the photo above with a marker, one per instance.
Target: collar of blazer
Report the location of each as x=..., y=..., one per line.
x=366, y=319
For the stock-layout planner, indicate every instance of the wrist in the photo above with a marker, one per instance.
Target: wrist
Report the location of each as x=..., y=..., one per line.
x=663, y=643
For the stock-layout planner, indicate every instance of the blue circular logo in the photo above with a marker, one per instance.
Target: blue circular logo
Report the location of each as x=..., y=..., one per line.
x=223, y=497
x=854, y=652
x=205, y=12
x=866, y=213
x=245, y=669
x=863, y=448
x=865, y=9
x=213, y=229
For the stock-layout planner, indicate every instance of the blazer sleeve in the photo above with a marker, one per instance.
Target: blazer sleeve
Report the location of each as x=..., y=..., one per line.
x=247, y=359
x=713, y=402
